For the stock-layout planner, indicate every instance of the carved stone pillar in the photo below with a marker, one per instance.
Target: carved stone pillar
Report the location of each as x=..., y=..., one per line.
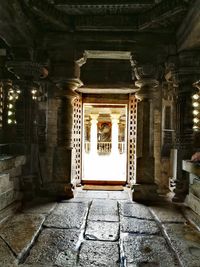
x=184, y=136
x=63, y=150
x=145, y=188
x=61, y=186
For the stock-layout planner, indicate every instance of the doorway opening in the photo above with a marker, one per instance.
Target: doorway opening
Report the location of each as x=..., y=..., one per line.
x=104, y=146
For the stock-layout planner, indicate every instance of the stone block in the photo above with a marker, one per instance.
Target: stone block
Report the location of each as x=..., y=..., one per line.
x=5, y=183
x=144, y=192
x=104, y=210
x=167, y=213
x=40, y=206
x=6, y=256
x=102, y=231
x=20, y=231
x=56, y=247
x=193, y=202
x=7, y=198
x=96, y=253
x=135, y=210
x=67, y=215
x=118, y=195
x=147, y=251
x=137, y=226
x=15, y=171
x=185, y=241
x=9, y=210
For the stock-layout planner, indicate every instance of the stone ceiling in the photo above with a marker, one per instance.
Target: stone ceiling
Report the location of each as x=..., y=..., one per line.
x=108, y=15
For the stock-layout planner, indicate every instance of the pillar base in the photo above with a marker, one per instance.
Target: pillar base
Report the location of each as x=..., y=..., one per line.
x=144, y=192
x=61, y=186
x=60, y=191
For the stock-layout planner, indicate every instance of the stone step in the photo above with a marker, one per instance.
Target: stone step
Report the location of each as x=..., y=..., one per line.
x=5, y=183
x=10, y=210
x=8, y=197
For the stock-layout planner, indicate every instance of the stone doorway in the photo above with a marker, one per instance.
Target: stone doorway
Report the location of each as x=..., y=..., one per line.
x=81, y=134
x=104, y=146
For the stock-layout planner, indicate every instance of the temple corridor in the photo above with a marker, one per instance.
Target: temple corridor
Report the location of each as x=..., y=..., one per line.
x=100, y=228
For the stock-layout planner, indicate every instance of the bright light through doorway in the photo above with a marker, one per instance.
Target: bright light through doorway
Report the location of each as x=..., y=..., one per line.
x=104, y=146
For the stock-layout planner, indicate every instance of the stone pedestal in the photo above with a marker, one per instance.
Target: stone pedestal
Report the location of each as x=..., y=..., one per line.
x=145, y=188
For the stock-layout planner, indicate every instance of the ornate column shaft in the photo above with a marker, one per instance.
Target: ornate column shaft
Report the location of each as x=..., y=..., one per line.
x=93, y=134
x=145, y=188
x=115, y=133
x=61, y=185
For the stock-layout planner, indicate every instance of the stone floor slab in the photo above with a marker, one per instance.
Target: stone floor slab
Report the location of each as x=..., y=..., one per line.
x=67, y=215
x=167, y=214
x=40, y=207
x=55, y=246
x=20, y=231
x=6, y=257
x=104, y=231
x=119, y=195
x=87, y=194
x=133, y=225
x=185, y=241
x=104, y=210
x=99, y=254
x=147, y=251
x=135, y=210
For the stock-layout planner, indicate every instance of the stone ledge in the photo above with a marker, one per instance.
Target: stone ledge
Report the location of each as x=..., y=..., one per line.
x=5, y=183
x=11, y=162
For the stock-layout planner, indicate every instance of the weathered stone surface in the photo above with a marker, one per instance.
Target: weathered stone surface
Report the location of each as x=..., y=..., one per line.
x=55, y=246
x=104, y=210
x=16, y=171
x=119, y=195
x=108, y=231
x=152, y=250
x=193, y=202
x=192, y=217
x=7, y=198
x=96, y=253
x=5, y=183
x=92, y=194
x=185, y=240
x=167, y=214
x=135, y=210
x=20, y=231
x=40, y=206
x=11, y=162
x=10, y=210
x=133, y=225
x=67, y=215
x=6, y=257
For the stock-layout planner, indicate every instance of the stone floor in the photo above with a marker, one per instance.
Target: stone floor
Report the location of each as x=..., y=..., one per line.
x=99, y=229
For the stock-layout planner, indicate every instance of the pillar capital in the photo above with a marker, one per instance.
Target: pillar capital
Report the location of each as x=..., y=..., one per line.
x=94, y=117
x=66, y=88
x=147, y=82
x=115, y=117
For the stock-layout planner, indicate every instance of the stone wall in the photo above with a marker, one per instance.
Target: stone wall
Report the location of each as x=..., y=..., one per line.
x=10, y=184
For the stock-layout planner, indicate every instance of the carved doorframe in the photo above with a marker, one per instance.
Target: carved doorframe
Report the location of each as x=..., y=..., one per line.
x=131, y=137
x=76, y=171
